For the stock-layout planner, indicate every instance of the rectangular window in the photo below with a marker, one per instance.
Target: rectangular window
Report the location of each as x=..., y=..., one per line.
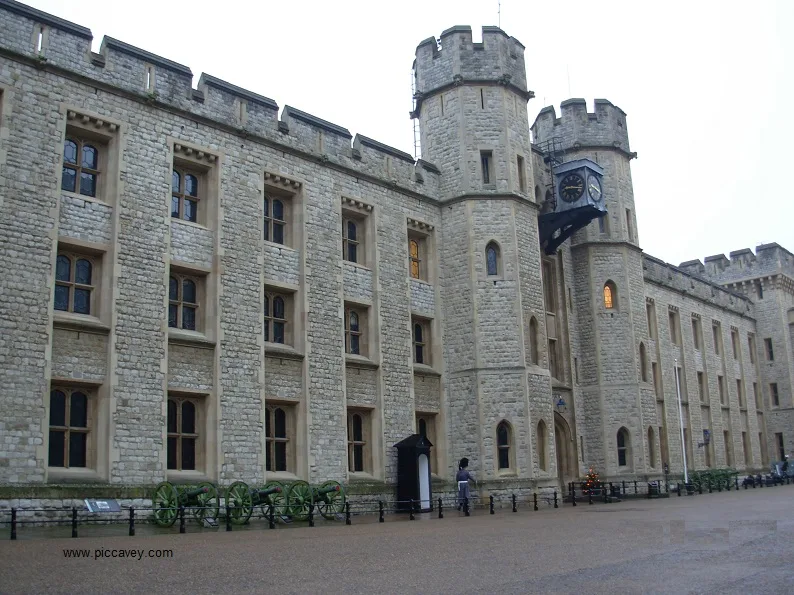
x=421, y=339
x=76, y=281
x=417, y=256
x=760, y=290
x=353, y=240
x=629, y=230
x=721, y=387
x=280, y=437
x=83, y=160
x=602, y=224
x=189, y=188
x=549, y=293
x=726, y=436
x=673, y=318
x=756, y=396
x=751, y=346
x=522, y=182
x=746, y=448
x=183, y=427
x=278, y=317
x=277, y=218
x=717, y=332
x=356, y=330
x=655, y=372
x=735, y=343
x=184, y=300
x=774, y=394
x=740, y=392
x=770, y=353
x=70, y=427
x=486, y=164
x=650, y=311
x=358, y=444
x=554, y=364
x=702, y=386
x=781, y=446
x=696, y=333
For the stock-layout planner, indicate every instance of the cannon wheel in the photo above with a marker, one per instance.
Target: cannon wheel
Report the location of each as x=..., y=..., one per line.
x=209, y=503
x=331, y=504
x=165, y=503
x=240, y=503
x=299, y=499
x=277, y=500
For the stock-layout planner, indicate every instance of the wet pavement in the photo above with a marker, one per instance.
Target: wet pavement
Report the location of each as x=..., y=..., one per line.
x=729, y=542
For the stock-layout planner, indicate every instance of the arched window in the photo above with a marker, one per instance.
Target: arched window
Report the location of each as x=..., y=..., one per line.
x=73, y=283
x=414, y=258
x=184, y=196
x=350, y=240
x=423, y=427
x=420, y=343
x=69, y=427
x=542, y=439
x=503, y=440
x=277, y=439
x=651, y=447
x=80, y=162
x=182, y=434
x=182, y=302
x=534, y=355
x=275, y=220
x=610, y=296
x=538, y=195
x=275, y=318
x=352, y=332
x=643, y=363
x=623, y=447
x=492, y=258
x=356, y=442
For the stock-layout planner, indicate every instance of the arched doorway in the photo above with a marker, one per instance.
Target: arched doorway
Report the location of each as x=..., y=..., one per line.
x=566, y=451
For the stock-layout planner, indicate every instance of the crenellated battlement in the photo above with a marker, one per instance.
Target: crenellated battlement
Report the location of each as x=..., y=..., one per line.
x=769, y=259
x=52, y=44
x=455, y=59
x=577, y=128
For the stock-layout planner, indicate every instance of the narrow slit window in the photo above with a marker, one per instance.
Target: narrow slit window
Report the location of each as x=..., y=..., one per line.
x=486, y=163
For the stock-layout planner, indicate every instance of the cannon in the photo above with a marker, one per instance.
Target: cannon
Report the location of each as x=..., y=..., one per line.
x=328, y=499
x=242, y=499
x=201, y=501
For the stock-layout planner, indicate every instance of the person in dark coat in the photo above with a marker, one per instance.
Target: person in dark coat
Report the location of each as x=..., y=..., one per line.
x=462, y=477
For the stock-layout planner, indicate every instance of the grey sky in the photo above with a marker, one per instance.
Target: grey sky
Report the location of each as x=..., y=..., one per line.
x=705, y=85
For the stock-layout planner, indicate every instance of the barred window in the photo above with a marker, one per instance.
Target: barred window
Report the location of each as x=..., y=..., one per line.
x=275, y=220
x=357, y=446
x=277, y=437
x=275, y=317
x=350, y=240
x=73, y=283
x=183, y=302
x=503, y=439
x=353, y=331
x=184, y=195
x=80, y=166
x=69, y=428
x=183, y=433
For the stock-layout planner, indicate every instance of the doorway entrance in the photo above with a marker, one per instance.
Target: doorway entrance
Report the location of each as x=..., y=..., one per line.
x=566, y=451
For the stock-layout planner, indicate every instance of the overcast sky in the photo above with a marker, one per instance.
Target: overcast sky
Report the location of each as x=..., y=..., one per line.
x=706, y=85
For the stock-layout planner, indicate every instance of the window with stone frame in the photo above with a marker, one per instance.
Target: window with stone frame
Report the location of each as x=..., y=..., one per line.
x=354, y=236
x=780, y=443
x=280, y=437
x=610, y=296
x=493, y=259
x=748, y=458
x=721, y=389
x=417, y=256
x=675, y=331
x=703, y=390
x=426, y=426
x=735, y=343
x=770, y=352
x=534, y=346
x=421, y=341
x=76, y=278
x=774, y=396
x=716, y=329
x=542, y=438
x=657, y=389
x=359, y=455
x=278, y=317
x=487, y=168
x=757, y=397
x=740, y=392
x=726, y=437
x=522, y=174
x=188, y=188
x=356, y=330
x=504, y=443
x=643, y=363
x=70, y=427
x=554, y=359
x=82, y=161
x=184, y=302
x=650, y=312
x=624, y=442
x=651, y=448
x=751, y=347
x=697, y=334
x=277, y=218
x=184, y=450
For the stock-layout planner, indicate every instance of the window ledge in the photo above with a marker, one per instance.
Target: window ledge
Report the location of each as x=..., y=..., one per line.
x=278, y=246
x=189, y=223
x=510, y=473
x=425, y=370
x=180, y=336
x=78, y=196
x=282, y=351
x=421, y=281
x=79, y=322
x=360, y=476
x=357, y=265
x=280, y=476
x=359, y=361
x=78, y=475
x=174, y=476
x=725, y=407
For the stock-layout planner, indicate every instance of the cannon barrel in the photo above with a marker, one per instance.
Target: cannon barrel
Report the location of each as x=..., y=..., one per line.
x=328, y=489
x=196, y=491
x=268, y=491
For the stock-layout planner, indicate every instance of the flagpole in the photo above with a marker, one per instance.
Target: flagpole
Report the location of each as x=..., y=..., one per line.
x=681, y=420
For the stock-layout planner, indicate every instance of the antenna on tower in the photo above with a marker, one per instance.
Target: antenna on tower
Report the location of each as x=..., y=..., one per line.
x=499, y=13
x=415, y=123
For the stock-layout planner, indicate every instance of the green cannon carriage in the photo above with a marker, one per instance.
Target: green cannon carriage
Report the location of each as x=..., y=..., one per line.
x=292, y=501
x=200, y=501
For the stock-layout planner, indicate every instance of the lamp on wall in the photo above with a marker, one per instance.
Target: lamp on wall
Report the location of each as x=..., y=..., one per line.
x=561, y=404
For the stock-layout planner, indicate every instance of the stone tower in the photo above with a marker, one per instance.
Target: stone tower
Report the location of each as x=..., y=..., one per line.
x=471, y=105
x=615, y=374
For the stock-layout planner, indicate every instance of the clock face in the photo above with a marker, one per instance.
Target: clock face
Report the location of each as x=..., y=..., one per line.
x=594, y=188
x=572, y=187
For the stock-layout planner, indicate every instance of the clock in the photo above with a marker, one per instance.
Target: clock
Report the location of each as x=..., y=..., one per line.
x=594, y=188
x=572, y=187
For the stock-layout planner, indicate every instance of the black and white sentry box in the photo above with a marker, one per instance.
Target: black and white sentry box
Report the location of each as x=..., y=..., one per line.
x=413, y=473
x=107, y=505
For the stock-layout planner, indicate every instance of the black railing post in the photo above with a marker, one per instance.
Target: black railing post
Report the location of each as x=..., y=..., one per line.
x=181, y=519
x=679, y=489
x=728, y=483
x=311, y=514
x=490, y=503
x=440, y=508
x=760, y=481
x=347, y=513
x=700, y=487
x=535, y=501
x=411, y=516
x=13, y=524
x=271, y=517
x=555, y=499
x=132, y=521
x=515, y=509
x=635, y=487
x=380, y=510
x=736, y=481
x=624, y=488
x=573, y=497
x=466, y=507
x=228, y=518
x=74, y=522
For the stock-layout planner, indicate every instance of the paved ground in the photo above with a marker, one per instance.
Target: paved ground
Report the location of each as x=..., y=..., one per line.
x=719, y=543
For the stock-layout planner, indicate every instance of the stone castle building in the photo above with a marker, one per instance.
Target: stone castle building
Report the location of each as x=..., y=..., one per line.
x=199, y=285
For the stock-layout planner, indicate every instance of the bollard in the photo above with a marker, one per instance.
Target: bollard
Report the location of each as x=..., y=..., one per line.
x=271, y=518
x=13, y=524
x=728, y=484
x=737, y=482
x=411, y=516
x=132, y=521
x=700, y=487
x=635, y=487
x=752, y=480
x=573, y=497
x=604, y=493
x=710, y=489
x=440, y=508
x=744, y=483
x=624, y=488
x=181, y=519
x=228, y=518
x=514, y=504
x=74, y=522
x=466, y=507
x=590, y=496
x=380, y=510
x=490, y=503
x=347, y=513
x=760, y=481
x=555, y=499
x=311, y=514
x=679, y=489
x=535, y=499
x=719, y=486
